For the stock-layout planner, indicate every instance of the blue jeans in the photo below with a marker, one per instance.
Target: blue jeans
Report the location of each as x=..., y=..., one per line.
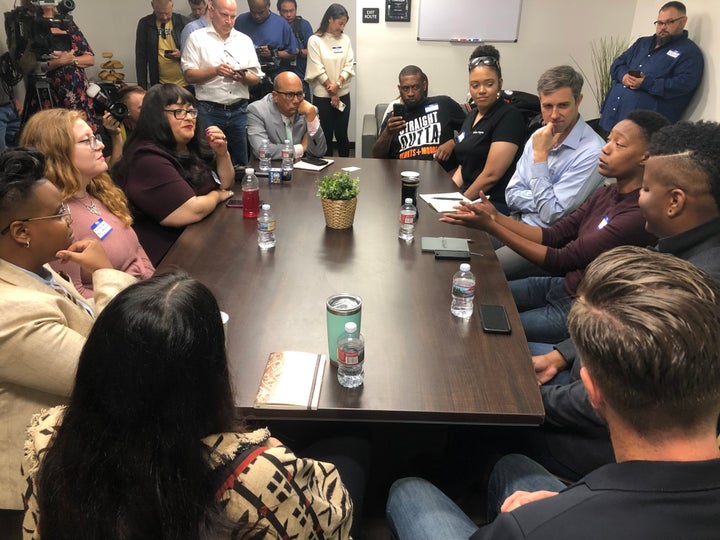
x=537, y=349
x=544, y=305
x=417, y=510
x=234, y=126
x=9, y=126
x=516, y=472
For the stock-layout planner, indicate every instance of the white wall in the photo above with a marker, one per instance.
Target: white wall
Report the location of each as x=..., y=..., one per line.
x=551, y=32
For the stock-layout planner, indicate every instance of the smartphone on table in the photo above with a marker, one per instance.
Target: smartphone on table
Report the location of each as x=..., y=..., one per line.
x=494, y=319
x=234, y=203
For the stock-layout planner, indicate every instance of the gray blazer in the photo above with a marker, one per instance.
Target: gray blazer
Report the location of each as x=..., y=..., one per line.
x=265, y=122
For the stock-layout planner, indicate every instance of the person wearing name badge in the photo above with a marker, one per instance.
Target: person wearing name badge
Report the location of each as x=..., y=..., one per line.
x=74, y=163
x=329, y=69
x=426, y=130
x=44, y=319
x=610, y=217
x=659, y=72
x=491, y=138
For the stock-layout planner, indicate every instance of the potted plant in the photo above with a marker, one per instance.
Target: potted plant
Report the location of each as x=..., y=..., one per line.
x=338, y=195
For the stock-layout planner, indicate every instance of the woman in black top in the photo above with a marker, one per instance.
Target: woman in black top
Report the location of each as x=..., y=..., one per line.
x=491, y=139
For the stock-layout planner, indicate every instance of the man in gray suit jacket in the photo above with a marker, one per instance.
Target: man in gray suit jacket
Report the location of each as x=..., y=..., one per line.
x=282, y=112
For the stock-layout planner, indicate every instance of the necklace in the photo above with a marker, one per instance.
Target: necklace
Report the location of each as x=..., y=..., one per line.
x=91, y=207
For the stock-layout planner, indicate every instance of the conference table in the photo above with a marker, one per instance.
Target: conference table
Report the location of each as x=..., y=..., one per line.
x=422, y=364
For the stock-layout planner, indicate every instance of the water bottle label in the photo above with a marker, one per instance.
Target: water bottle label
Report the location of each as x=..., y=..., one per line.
x=461, y=291
x=348, y=358
x=266, y=226
x=407, y=218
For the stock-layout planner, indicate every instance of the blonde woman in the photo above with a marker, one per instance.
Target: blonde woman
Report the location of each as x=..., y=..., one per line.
x=75, y=165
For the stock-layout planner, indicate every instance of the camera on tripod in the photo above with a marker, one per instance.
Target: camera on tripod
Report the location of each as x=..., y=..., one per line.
x=28, y=30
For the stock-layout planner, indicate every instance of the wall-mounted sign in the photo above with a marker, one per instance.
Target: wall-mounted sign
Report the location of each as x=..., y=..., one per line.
x=371, y=15
x=397, y=10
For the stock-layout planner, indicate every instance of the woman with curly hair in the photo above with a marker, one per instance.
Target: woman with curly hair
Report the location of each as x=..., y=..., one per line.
x=74, y=163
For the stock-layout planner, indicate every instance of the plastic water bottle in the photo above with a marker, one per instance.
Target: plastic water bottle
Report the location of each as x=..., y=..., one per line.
x=407, y=221
x=463, y=292
x=351, y=356
x=266, y=227
x=250, y=194
x=288, y=155
x=264, y=155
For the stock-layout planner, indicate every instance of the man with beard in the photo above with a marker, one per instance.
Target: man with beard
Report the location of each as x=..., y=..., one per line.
x=426, y=130
x=659, y=72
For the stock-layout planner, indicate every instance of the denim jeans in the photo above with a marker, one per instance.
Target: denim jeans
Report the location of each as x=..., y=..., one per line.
x=234, y=126
x=537, y=349
x=417, y=510
x=544, y=305
x=9, y=126
x=516, y=472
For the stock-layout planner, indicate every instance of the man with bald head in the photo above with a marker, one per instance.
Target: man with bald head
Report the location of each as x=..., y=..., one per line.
x=659, y=72
x=157, y=46
x=286, y=114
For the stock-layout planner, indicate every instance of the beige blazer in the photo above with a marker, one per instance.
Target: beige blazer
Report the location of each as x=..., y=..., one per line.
x=41, y=335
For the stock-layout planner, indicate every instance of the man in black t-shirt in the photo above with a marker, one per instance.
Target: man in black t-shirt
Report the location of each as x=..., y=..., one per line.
x=425, y=129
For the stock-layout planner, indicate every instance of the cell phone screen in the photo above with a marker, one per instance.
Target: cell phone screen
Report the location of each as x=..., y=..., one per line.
x=398, y=109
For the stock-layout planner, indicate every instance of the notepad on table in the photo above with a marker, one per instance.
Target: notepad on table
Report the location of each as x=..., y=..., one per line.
x=313, y=164
x=443, y=243
x=445, y=202
x=291, y=380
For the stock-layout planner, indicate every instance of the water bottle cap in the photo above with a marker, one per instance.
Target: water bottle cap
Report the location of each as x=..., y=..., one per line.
x=266, y=206
x=249, y=170
x=287, y=141
x=350, y=327
x=408, y=201
x=465, y=267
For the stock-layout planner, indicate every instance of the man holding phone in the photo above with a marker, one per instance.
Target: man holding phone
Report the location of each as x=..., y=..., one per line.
x=157, y=44
x=417, y=126
x=659, y=72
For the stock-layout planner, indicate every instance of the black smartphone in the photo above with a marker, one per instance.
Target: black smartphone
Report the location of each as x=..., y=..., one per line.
x=168, y=53
x=635, y=73
x=452, y=255
x=494, y=319
x=314, y=160
x=234, y=203
x=399, y=109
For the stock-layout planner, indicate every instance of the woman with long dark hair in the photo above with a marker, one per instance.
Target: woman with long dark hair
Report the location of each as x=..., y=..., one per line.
x=172, y=173
x=149, y=446
x=330, y=67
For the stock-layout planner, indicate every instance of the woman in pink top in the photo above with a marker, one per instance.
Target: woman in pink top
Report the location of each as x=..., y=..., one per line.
x=75, y=164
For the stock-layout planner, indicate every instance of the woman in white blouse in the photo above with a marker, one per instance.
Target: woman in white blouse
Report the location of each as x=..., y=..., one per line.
x=330, y=66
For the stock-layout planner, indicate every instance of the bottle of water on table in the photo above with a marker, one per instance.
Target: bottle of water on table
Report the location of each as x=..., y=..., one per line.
x=266, y=227
x=407, y=221
x=351, y=356
x=463, y=292
x=264, y=155
x=288, y=156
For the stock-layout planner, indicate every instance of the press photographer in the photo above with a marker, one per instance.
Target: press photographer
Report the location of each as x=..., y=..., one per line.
x=53, y=53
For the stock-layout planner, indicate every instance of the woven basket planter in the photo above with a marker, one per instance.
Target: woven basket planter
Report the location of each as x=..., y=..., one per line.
x=339, y=214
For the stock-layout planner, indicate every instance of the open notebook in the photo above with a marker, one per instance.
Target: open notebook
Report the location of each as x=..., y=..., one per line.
x=291, y=380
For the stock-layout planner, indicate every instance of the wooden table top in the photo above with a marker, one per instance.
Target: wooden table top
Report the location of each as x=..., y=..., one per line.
x=421, y=363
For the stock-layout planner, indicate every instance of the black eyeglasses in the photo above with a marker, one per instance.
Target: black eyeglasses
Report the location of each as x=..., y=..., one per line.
x=291, y=95
x=64, y=213
x=180, y=114
x=93, y=141
x=669, y=21
x=484, y=61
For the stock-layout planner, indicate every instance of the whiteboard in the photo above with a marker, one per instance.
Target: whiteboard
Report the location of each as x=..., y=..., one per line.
x=471, y=20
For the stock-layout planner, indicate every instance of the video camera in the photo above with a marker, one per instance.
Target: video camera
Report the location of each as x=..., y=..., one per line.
x=27, y=30
x=118, y=109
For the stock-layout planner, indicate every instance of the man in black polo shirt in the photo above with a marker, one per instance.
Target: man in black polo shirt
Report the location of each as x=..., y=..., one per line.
x=427, y=128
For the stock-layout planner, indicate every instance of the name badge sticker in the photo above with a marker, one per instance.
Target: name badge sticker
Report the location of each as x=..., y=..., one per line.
x=604, y=221
x=674, y=53
x=432, y=108
x=461, y=137
x=337, y=49
x=101, y=228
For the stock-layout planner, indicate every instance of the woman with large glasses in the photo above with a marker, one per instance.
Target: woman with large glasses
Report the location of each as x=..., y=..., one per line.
x=44, y=319
x=492, y=136
x=172, y=173
x=74, y=163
